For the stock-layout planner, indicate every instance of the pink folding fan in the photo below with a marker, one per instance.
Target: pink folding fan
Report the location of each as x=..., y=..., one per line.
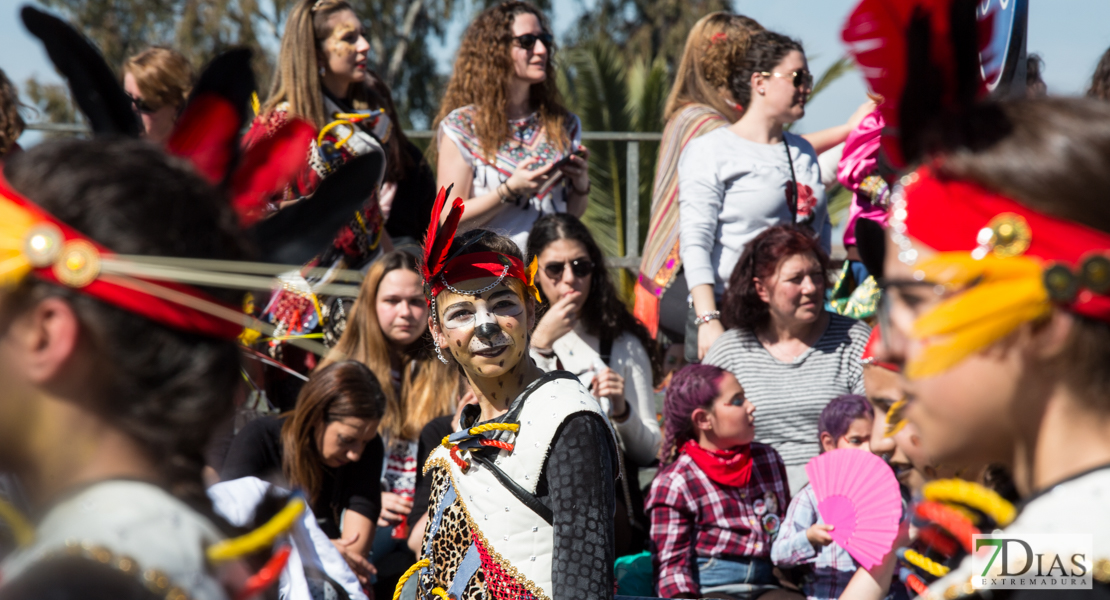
x=858, y=495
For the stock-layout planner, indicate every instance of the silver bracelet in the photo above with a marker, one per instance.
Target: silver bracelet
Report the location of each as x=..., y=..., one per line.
x=704, y=318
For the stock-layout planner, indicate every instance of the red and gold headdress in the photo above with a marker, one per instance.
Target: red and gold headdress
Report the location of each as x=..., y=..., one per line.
x=873, y=344
x=442, y=271
x=34, y=242
x=1014, y=264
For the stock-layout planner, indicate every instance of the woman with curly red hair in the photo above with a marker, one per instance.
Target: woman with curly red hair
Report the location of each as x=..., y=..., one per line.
x=502, y=129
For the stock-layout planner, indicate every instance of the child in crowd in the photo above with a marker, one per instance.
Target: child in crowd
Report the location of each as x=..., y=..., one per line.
x=717, y=504
x=804, y=540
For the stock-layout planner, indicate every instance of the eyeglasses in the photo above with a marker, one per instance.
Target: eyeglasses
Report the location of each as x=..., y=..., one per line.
x=140, y=105
x=802, y=79
x=528, y=40
x=580, y=267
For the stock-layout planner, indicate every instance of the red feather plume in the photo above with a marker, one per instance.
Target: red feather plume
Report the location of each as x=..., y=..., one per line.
x=877, y=36
x=438, y=239
x=267, y=167
x=207, y=133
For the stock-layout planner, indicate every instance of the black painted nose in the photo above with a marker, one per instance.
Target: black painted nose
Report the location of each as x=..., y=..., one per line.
x=487, y=330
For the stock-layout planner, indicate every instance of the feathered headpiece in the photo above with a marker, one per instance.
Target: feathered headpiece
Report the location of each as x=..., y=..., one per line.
x=1010, y=263
x=34, y=242
x=922, y=57
x=441, y=271
x=207, y=133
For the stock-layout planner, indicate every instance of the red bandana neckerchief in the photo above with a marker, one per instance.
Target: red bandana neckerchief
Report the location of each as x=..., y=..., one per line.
x=732, y=467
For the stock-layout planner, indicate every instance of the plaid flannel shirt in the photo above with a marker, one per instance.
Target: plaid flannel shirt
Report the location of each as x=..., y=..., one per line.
x=830, y=568
x=693, y=516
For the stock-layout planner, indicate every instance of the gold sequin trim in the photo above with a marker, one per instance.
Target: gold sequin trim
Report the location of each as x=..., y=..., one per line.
x=154, y=580
x=493, y=554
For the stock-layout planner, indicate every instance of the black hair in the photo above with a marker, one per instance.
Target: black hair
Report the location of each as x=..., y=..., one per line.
x=608, y=317
x=765, y=52
x=165, y=388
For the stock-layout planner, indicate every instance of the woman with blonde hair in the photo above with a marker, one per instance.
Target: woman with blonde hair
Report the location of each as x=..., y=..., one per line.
x=387, y=331
x=699, y=103
x=321, y=77
x=158, y=81
x=502, y=130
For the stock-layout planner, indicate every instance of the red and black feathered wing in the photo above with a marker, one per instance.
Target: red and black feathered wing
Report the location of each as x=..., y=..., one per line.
x=208, y=134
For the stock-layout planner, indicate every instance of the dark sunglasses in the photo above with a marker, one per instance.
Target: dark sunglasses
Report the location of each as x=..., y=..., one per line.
x=581, y=268
x=141, y=105
x=528, y=40
x=802, y=79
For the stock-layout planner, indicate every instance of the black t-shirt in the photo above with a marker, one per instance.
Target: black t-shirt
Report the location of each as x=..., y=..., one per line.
x=416, y=193
x=257, y=451
x=431, y=436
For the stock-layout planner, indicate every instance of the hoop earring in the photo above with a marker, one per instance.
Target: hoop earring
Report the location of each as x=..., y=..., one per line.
x=439, y=354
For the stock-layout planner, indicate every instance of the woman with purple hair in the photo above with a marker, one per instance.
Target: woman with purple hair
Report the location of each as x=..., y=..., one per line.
x=804, y=541
x=716, y=505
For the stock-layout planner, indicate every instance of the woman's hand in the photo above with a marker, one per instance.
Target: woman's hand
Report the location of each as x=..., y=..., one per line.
x=577, y=170
x=818, y=535
x=395, y=508
x=864, y=109
x=358, y=563
x=608, y=384
x=524, y=181
x=707, y=334
x=558, y=321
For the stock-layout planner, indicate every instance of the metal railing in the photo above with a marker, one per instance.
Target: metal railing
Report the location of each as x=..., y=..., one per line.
x=631, y=258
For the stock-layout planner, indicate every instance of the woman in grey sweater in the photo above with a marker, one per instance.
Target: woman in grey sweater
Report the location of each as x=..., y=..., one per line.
x=737, y=181
x=790, y=355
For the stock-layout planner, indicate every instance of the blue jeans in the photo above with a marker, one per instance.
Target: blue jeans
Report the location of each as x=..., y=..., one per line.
x=716, y=572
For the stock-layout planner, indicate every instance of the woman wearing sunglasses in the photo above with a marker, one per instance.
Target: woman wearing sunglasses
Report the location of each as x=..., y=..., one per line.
x=605, y=346
x=504, y=138
x=739, y=180
x=158, y=81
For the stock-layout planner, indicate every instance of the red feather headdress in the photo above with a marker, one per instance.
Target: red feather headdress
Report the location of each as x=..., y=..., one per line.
x=440, y=273
x=922, y=57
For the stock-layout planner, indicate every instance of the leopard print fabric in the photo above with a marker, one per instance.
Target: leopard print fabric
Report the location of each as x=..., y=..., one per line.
x=449, y=546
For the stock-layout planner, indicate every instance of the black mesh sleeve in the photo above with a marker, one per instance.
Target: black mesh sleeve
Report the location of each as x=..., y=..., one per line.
x=579, y=477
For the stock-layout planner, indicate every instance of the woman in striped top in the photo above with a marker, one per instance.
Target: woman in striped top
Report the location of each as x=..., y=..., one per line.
x=789, y=353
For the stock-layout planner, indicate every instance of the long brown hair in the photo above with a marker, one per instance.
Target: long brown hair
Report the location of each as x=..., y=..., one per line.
x=11, y=123
x=481, y=78
x=1100, y=80
x=715, y=47
x=297, y=77
x=338, y=391
x=428, y=387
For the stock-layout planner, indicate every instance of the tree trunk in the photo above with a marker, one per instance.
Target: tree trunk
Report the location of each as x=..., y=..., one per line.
x=403, y=43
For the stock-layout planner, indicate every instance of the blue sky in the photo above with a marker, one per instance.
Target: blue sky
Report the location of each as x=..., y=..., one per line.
x=1069, y=34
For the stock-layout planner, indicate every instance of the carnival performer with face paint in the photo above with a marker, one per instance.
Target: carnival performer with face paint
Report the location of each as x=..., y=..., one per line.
x=996, y=294
x=522, y=496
